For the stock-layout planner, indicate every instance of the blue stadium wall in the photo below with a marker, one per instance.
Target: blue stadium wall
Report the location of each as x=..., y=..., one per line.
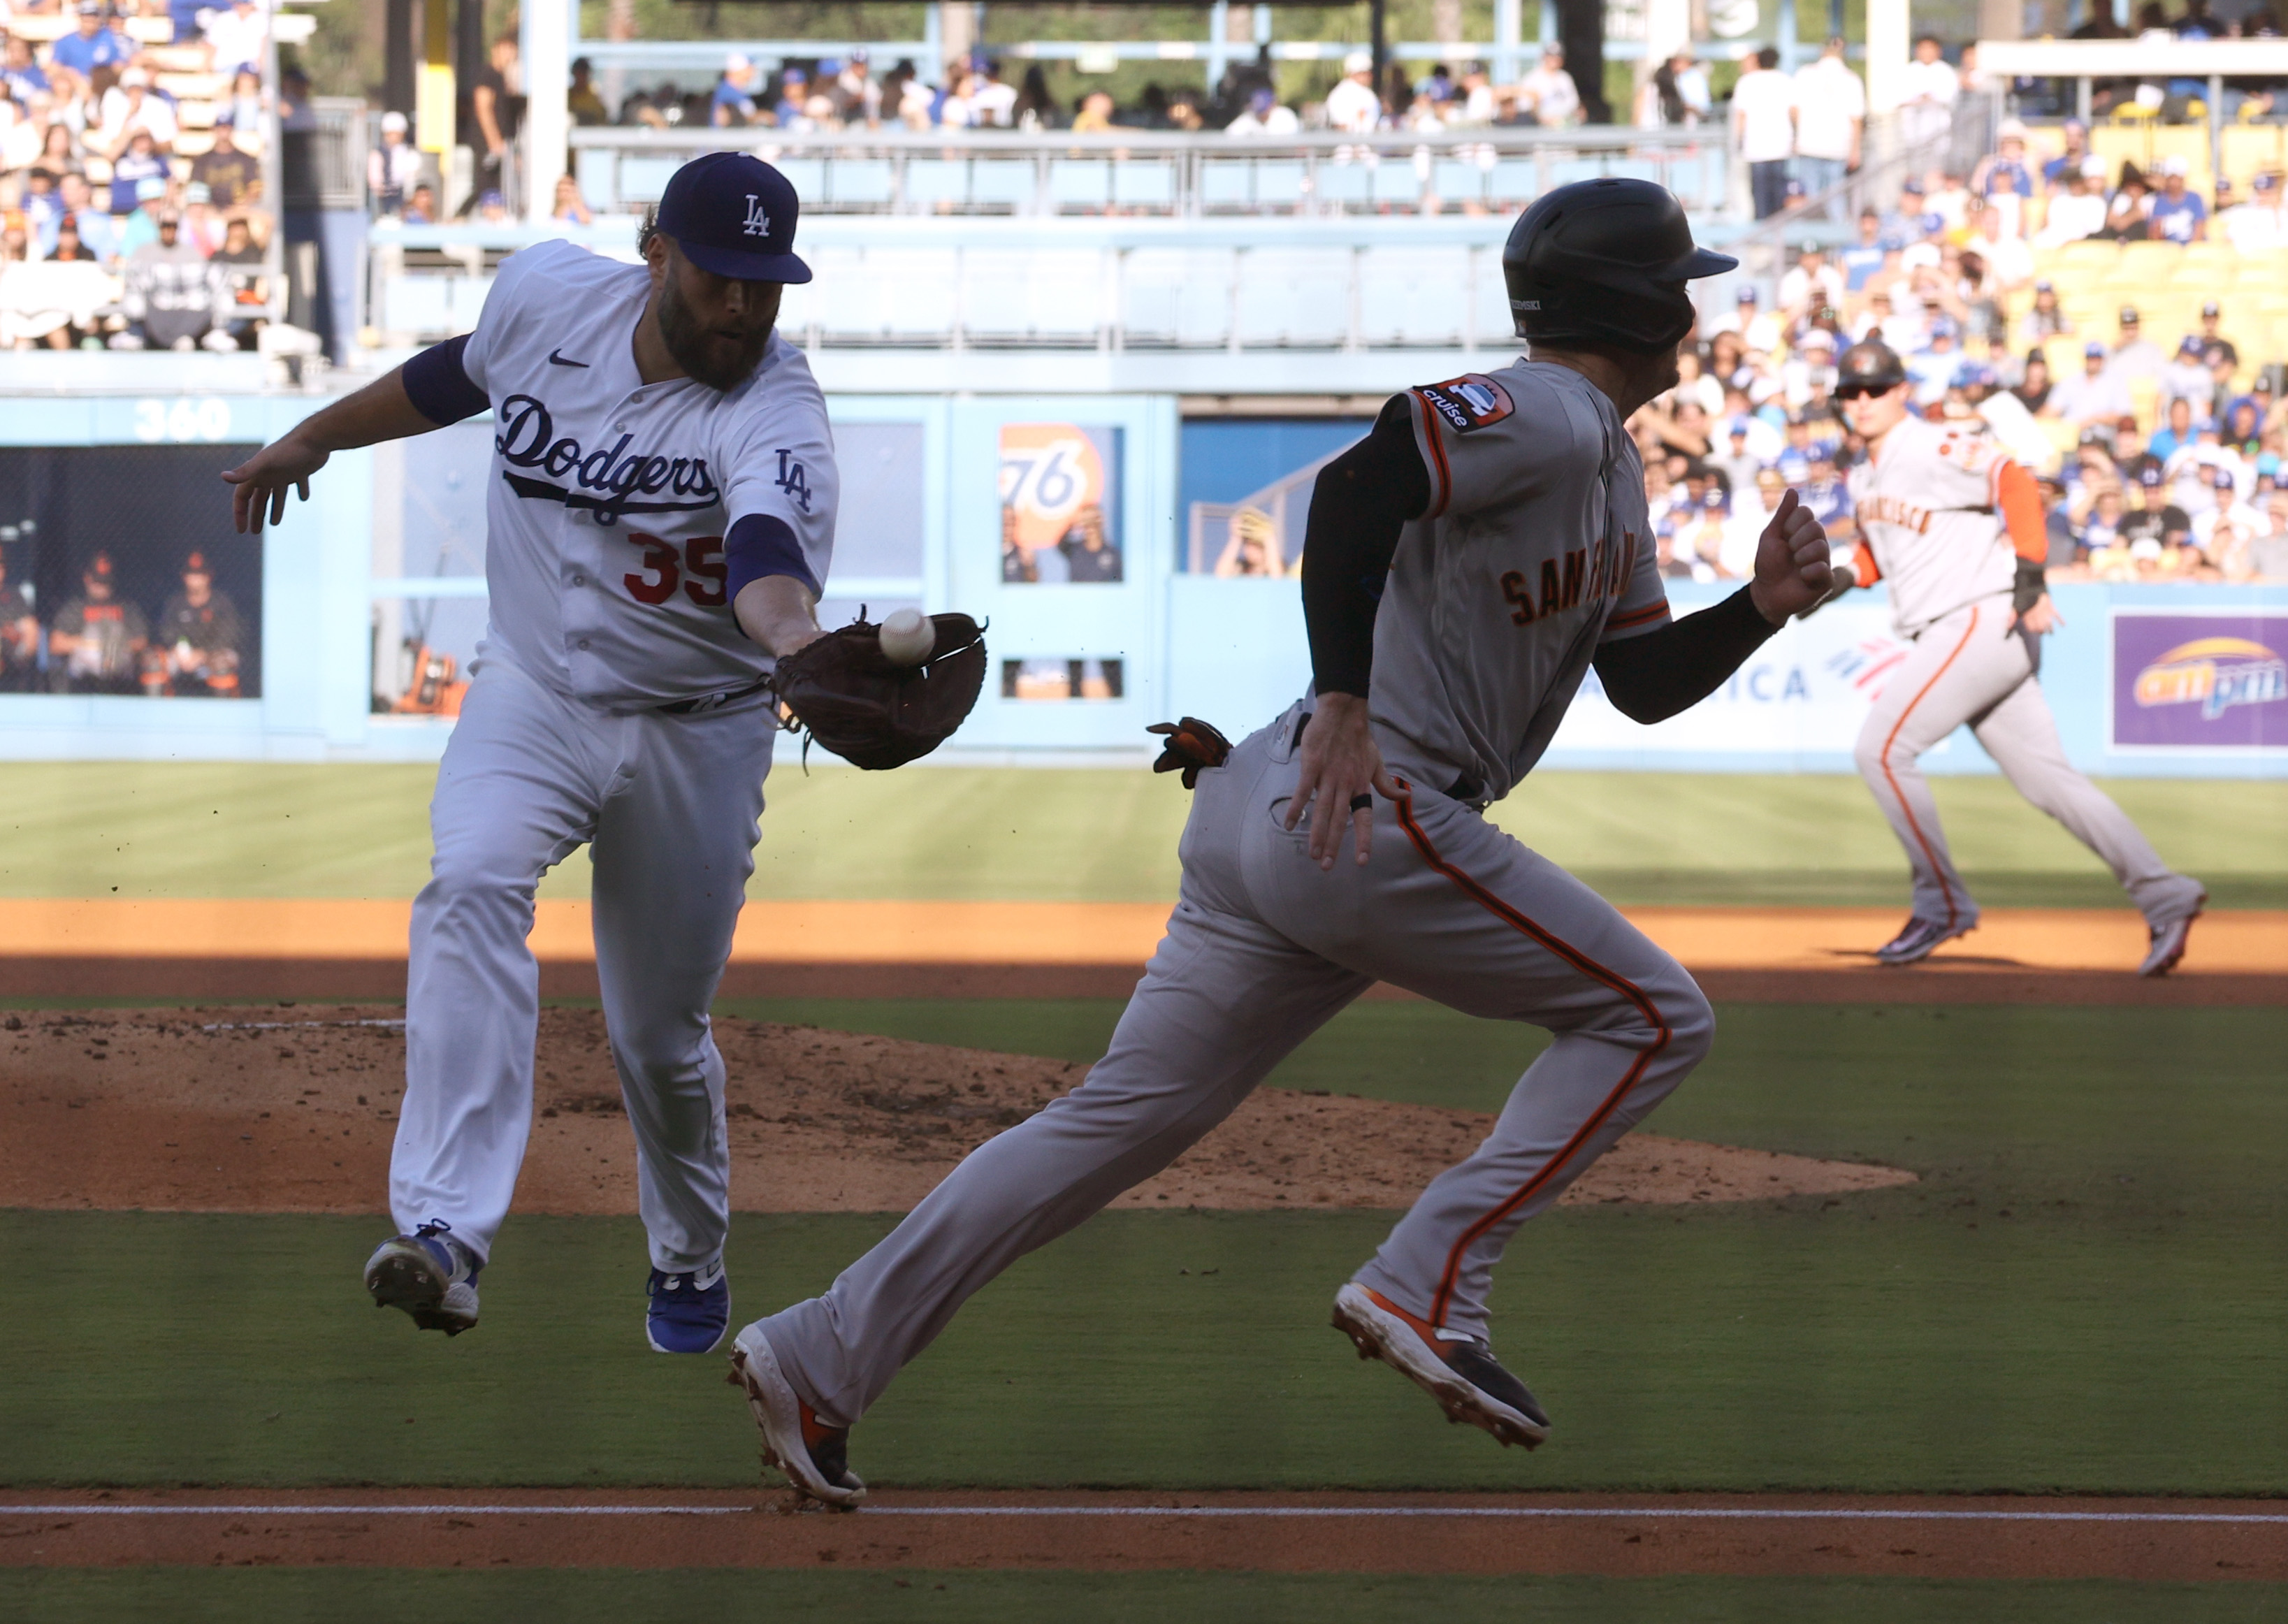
x=927, y=481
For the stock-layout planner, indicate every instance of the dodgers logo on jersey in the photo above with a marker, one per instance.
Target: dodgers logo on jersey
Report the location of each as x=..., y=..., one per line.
x=793, y=479
x=1471, y=401
x=527, y=438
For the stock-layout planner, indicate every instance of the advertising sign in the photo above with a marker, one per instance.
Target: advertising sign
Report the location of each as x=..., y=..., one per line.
x=1060, y=503
x=2199, y=682
x=1805, y=693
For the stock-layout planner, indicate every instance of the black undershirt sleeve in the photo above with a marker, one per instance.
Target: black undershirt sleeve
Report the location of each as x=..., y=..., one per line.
x=1368, y=495
x=1360, y=503
x=1654, y=676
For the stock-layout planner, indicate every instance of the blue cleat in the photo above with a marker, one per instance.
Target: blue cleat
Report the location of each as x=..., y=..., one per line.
x=428, y=1274
x=690, y=1312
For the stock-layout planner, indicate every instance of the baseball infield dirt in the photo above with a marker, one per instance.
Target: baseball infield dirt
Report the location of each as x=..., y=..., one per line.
x=1922, y=1537
x=292, y=1109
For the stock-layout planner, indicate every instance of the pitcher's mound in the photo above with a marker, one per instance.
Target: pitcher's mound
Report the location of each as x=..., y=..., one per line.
x=293, y=1110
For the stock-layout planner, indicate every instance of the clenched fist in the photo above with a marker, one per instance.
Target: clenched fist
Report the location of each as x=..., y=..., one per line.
x=1792, y=571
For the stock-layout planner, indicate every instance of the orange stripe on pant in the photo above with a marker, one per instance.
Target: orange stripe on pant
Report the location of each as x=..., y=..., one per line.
x=1921, y=839
x=1589, y=967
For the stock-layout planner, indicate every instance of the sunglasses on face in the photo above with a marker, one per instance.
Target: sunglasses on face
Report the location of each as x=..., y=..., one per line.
x=1854, y=392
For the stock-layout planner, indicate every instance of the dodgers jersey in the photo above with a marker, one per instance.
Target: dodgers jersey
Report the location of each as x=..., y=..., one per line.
x=1534, y=549
x=1926, y=503
x=610, y=496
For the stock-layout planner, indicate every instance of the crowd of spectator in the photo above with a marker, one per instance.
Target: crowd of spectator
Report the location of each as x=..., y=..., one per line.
x=133, y=136
x=1799, y=134
x=102, y=641
x=2160, y=454
x=975, y=92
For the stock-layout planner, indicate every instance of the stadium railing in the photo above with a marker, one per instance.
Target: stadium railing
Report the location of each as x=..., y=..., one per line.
x=1171, y=174
x=1128, y=242
x=1102, y=286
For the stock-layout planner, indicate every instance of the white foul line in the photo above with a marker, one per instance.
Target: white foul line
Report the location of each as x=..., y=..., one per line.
x=1602, y=1513
x=287, y=1026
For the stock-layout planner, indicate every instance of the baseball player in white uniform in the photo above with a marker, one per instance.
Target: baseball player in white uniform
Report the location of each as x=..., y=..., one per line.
x=1955, y=528
x=1464, y=565
x=659, y=526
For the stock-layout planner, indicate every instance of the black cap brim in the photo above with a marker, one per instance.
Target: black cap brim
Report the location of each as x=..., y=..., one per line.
x=1701, y=262
x=745, y=267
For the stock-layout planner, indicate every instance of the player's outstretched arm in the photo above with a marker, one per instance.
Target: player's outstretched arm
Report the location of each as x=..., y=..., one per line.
x=381, y=410
x=778, y=613
x=1655, y=675
x=2026, y=518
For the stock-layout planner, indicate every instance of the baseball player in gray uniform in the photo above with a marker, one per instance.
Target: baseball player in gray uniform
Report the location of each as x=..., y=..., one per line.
x=658, y=529
x=1464, y=566
x=1954, y=527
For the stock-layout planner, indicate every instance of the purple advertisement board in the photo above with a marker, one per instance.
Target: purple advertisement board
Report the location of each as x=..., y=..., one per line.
x=2200, y=681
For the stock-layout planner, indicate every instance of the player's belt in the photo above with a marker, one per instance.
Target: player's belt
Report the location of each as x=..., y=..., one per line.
x=713, y=702
x=1463, y=788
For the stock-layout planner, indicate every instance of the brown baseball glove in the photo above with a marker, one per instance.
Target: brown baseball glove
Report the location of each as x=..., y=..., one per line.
x=1192, y=745
x=845, y=696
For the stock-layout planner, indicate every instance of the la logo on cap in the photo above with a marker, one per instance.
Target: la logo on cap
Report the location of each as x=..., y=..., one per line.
x=758, y=224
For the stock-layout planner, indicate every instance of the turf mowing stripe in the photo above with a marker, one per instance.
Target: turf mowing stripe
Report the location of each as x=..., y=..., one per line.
x=1733, y=1514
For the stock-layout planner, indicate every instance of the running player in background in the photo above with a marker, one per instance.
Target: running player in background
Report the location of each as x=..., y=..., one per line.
x=1955, y=529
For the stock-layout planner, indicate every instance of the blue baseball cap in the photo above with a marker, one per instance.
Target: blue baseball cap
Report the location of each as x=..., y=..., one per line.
x=735, y=214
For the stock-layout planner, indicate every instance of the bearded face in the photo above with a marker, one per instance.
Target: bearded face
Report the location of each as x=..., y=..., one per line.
x=716, y=328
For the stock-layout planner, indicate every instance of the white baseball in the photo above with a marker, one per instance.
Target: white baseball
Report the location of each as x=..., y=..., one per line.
x=908, y=637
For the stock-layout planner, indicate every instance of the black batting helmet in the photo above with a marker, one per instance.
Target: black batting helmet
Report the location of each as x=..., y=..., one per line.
x=1870, y=364
x=1605, y=262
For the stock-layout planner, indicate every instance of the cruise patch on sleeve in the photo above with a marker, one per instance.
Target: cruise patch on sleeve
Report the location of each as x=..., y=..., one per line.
x=1470, y=401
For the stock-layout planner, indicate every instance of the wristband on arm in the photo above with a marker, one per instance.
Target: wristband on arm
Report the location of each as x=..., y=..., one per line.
x=2026, y=591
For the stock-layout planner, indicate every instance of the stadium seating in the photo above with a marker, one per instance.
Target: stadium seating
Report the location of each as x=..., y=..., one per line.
x=2168, y=282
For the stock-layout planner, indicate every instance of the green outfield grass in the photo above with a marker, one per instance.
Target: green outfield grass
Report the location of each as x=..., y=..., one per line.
x=136, y=829
x=2081, y=1295
x=1917, y=1084
x=360, y=1596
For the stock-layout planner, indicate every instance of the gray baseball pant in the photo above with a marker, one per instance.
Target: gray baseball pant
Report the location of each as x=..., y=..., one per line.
x=1263, y=949
x=1970, y=666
